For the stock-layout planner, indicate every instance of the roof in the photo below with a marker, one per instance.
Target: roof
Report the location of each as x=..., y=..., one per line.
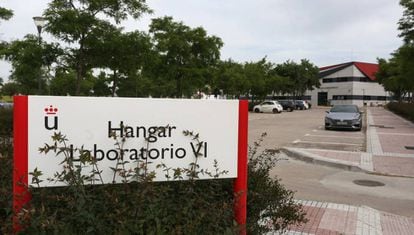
x=368, y=69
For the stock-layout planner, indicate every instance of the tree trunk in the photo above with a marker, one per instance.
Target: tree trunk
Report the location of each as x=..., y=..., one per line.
x=115, y=83
x=79, y=72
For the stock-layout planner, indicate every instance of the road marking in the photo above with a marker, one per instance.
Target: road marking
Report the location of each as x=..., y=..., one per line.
x=307, y=135
x=314, y=130
x=335, y=136
x=312, y=142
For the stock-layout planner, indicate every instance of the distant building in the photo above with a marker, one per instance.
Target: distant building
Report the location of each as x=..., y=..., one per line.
x=349, y=83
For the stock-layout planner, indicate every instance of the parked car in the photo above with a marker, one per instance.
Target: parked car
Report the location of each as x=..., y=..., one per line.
x=301, y=104
x=269, y=106
x=343, y=117
x=6, y=105
x=288, y=105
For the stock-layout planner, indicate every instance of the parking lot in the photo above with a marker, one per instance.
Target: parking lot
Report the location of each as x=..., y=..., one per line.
x=303, y=129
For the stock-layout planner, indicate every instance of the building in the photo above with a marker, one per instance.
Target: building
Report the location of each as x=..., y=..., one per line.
x=349, y=83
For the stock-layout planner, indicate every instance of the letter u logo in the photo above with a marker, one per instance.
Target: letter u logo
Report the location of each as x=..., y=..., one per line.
x=54, y=125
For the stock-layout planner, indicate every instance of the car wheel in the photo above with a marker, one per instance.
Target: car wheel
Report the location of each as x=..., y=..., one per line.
x=275, y=111
x=289, y=109
x=256, y=110
x=326, y=128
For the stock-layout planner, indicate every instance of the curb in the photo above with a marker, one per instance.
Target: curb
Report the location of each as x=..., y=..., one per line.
x=315, y=159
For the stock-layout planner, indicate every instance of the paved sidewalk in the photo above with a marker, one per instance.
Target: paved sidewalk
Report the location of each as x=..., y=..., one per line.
x=332, y=218
x=390, y=148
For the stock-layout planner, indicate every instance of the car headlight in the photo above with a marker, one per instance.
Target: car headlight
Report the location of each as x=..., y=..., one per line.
x=328, y=120
x=356, y=120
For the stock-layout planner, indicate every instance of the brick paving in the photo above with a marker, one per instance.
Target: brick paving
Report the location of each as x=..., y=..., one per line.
x=403, y=166
x=332, y=218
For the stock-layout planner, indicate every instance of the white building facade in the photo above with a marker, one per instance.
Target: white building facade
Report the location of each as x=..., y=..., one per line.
x=349, y=83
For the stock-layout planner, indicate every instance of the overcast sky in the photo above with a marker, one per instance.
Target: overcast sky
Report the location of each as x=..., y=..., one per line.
x=324, y=31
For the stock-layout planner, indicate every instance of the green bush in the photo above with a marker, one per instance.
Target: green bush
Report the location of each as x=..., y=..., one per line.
x=6, y=122
x=270, y=206
x=406, y=110
x=145, y=207
x=6, y=166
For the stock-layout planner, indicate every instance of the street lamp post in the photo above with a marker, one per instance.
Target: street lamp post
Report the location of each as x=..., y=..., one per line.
x=40, y=22
x=363, y=97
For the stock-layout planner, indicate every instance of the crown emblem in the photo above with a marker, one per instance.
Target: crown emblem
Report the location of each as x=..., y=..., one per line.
x=51, y=110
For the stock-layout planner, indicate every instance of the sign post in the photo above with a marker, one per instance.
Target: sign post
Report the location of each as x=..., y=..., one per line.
x=21, y=195
x=240, y=183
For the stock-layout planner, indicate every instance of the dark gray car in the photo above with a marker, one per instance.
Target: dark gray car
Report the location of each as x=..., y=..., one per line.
x=343, y=117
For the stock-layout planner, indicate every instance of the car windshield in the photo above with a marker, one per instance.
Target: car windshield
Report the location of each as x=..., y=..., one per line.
x=344, y=109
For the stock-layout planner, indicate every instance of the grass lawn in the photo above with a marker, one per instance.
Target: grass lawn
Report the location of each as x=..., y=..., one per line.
x=6, y=98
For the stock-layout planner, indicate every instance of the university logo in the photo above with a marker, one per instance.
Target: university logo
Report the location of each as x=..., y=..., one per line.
x=51, y=118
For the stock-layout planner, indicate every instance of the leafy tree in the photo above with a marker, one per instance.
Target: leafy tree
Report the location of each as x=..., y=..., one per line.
x=406, y=23
x=101, y=85
x=184, y=56
x=123, y=53
x=28, y=59
x=396, y=74
x=80, y=23
x=261, y=81
x=10, y=88
x=229, y=77
x=303, y=76
x=5, y=14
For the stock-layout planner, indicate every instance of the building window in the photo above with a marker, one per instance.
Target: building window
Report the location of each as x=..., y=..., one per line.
x=359, y=97
x=346, y=79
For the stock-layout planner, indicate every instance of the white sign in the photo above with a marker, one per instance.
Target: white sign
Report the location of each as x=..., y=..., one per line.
x=152, y=129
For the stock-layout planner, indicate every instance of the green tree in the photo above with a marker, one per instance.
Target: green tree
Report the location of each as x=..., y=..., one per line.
x=229, y=77
x=184, y=56
x=5, y=14
x=28, y=58
x=80, y=23
x=10, y=88
x=396, y=74
x=406, y=23
x=303, y=76
x=123, y=53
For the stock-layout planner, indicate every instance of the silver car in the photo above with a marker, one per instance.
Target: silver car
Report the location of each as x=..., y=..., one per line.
x=343, y=117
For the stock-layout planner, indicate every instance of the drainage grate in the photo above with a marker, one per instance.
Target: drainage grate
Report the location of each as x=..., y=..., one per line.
x=368, y=183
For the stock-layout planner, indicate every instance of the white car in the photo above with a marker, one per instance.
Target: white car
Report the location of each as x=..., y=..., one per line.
x=269, y=106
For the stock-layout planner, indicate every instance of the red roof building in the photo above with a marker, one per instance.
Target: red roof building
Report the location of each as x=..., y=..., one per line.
x=349, y=83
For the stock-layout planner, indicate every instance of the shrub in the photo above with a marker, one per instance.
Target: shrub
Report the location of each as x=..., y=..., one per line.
x=145, y=207
x=270, y=206
x=6, y=166
x=406, y=110
x=6, y=122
